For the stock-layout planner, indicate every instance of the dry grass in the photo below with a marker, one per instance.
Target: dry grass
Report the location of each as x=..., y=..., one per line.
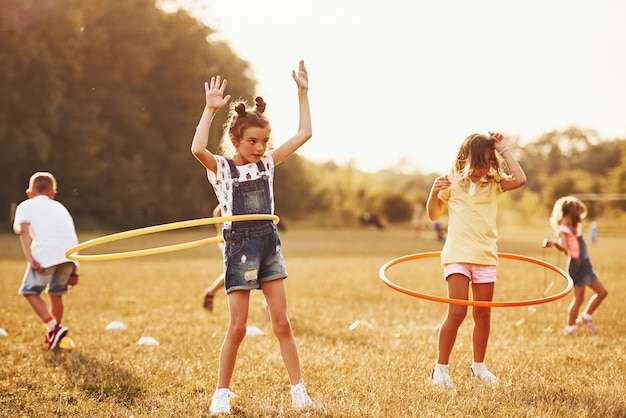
x=379, y=372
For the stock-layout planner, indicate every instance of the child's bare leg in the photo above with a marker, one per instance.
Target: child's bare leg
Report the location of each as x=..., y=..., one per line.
x=574, y=306
x=482, y=320
x=596, y=299
x=238, y=302
x=209, y=292
x=458, y=287
x=56, y=305
x=39, y=306
x=217, y=284
x=276, y=297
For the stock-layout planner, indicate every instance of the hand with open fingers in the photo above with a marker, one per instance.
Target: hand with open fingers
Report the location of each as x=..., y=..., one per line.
x=214, y=92
x=301, y=77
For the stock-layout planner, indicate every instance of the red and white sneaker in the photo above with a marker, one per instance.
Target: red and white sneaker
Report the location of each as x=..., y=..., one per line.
x=55, y=336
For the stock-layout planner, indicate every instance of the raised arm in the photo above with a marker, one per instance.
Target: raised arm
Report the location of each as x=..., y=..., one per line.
x=282, y=152
x=516, y=170
x=215, y=100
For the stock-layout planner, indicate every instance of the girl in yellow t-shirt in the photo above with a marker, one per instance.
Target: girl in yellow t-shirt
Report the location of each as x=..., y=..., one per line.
x=469, y=190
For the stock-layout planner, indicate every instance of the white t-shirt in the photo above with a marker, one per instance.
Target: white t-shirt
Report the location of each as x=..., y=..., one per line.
x=222, y=181
x=51, y=229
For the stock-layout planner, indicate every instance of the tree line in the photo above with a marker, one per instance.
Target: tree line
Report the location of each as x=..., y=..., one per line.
x=106, y=95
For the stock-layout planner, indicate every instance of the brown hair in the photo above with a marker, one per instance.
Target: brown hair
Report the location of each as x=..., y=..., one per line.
x=240, y=118
x=568, y=206
x=477, y=151
x=42, y=182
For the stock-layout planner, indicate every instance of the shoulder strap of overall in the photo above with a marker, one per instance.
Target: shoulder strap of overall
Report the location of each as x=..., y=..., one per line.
x=234, y=172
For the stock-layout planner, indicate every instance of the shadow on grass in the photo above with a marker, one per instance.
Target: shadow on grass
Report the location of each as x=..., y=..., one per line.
x=99, y=380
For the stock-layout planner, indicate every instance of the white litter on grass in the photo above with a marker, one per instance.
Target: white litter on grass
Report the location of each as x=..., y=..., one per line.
x=253, y=331
x=360, y=322
x=3, y=333
x=115, y=325
x=147, y=341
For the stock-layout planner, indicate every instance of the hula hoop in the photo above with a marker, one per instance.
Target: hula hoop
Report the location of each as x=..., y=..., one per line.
x=159, y=228
x=491, y=304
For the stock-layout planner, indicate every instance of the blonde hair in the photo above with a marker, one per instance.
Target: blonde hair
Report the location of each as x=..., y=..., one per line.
x=42, y=182
x=568, y=206
x=240, y=118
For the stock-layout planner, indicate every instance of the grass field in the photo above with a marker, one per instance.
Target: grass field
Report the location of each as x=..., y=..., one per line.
x=378, y=369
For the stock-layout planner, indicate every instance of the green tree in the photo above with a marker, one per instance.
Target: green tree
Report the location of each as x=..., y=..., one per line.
x=106, y=96
x=396, y=208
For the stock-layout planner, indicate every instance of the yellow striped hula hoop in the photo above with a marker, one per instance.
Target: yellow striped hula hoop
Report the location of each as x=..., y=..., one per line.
x=71, y=253
x=490, y=304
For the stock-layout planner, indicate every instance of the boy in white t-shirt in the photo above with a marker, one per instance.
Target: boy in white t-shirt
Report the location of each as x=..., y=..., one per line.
x=46, y=231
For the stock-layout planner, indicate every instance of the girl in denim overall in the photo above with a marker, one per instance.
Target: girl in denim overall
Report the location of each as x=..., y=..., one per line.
x=567, y=215
x=242, y=180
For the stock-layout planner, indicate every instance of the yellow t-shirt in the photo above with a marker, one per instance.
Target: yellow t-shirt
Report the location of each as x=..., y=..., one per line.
x=472, y=212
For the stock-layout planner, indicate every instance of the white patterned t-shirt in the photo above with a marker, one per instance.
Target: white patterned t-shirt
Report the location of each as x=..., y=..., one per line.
x=222, y=181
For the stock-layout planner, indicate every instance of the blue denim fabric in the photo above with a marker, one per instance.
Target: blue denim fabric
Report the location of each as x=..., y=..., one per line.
x=252, y=248
x=580, y=269
x=54, y=278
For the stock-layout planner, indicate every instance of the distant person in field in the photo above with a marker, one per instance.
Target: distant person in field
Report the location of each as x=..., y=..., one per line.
x=566, y=220
x=218, y=283
x=243, y=182
x=593, y=232
x=46, y=231
x=469, y=257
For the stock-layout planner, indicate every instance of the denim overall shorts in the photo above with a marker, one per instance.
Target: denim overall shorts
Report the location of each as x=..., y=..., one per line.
x=580, y=269
x=252, y=249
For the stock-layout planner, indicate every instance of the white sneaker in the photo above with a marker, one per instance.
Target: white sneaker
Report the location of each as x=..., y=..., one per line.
x=571, y=330
x=481, y=373
x=440, y=376
x=299, y=397
x=221, y=401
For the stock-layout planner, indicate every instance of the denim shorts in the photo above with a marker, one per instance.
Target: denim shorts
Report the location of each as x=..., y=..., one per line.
x=252, y=256
x=581, y=271
x=476, y=273
x=54, y=278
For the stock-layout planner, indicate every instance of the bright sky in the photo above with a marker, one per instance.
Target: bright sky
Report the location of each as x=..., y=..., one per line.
x=401, y=80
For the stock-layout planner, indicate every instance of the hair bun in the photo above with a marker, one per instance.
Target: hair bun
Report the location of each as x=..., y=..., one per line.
x=260, y=104
x=240, y=109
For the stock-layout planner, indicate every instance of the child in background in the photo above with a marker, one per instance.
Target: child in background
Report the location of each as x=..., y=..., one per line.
x=218, y=283
x=470, y=254
x=243, y=183
x=46, y=232
x=567, y=215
